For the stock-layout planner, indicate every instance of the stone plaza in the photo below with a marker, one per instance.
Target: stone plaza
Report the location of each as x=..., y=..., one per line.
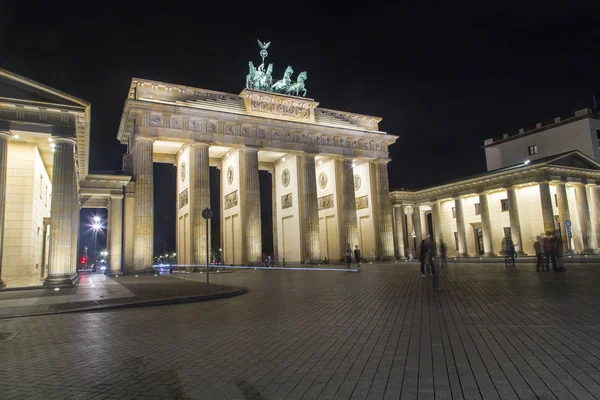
x=490, y=333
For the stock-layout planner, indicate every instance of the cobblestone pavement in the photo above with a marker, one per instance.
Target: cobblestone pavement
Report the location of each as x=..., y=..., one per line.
x=491, y=333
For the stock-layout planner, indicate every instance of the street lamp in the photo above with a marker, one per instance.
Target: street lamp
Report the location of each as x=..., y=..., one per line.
x=96, y=227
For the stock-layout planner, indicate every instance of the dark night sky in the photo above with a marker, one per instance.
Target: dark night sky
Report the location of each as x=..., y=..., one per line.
x=443, y=77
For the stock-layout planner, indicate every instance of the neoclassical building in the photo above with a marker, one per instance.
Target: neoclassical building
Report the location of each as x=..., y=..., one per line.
x=329, y=177
x=557, y=194
x=329, y=174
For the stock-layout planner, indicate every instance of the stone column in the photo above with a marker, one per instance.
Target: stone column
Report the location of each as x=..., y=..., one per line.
x=417, y=225
x=346, y=204
x=563, y=213
x=310, y=210
x=384, y=215
x=251, y=205
x=595, y=208
x=583, y=212
x=274, y=210
x=143, y=240
x=460, y=227
x=437, y=224
x=128, y=227
x=399, y=230
x=3, y=169
x=200, y=199
x=116, y=233
x=486, y=225
x=515, y=222
x=547, y=211
x=62, y=265
x=410, y=228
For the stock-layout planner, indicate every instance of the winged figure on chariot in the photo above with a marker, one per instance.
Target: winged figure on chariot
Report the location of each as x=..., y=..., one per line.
x=261, y=78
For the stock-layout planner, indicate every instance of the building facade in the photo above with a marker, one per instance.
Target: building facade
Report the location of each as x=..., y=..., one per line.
x=329, y=173
x=556, y=195
x=44, y=140
x=578, y=131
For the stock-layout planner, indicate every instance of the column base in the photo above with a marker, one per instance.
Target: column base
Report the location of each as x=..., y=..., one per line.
x=389, y=258
x=521, y=253
x=588, y=251
x=488, y=255
x=61, y=281
x=462, y=255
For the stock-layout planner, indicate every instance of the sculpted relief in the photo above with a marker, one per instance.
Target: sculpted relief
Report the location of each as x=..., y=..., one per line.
x=282, y=109
x=286, y=201
x=362, y=202
x=325, y=202
x=231, y=200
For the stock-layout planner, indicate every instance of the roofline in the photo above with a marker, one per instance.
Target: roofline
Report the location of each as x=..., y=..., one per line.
x=48, y=89
x=507, y=170
x=579, y=115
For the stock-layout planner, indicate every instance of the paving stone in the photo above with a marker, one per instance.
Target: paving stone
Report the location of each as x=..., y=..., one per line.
x=383, y=333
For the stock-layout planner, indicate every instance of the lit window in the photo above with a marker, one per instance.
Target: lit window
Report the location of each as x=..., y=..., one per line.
x=533, y=149
x=504, y=204
x=453, y=212
x=477, y=208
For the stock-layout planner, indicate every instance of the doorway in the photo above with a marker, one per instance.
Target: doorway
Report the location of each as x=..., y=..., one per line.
x=478, y=241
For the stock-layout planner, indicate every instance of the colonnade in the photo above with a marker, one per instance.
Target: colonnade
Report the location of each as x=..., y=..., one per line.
x=585, y=232
x=248, y=200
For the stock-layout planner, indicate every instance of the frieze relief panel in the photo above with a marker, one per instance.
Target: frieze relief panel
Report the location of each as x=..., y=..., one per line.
x=362, y=202
x=231, y=200
x=286, y=201
x=183, y=198
x=311, y=138
x=286, y=110
x=325, y=202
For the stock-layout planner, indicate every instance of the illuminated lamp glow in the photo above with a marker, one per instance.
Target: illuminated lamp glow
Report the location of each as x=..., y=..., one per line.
x=16, y=136
x=526, y=162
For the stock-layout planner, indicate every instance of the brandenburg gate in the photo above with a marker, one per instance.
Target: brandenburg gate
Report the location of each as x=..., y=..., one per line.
x=329, y=168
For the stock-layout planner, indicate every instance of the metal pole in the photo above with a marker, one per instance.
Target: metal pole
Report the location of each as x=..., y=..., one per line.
x=207, y=281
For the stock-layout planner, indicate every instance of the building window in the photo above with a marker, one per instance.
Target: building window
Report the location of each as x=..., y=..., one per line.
x=598, y=136
x=453, y=212
x=456, y=240
x=555, y=199
x=504, y=204
x=507, y=234
x=41, y=185
x=477, y=208
x=46, y=196
x=533, y=149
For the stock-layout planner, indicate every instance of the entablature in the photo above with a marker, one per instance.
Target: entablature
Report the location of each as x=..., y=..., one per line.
x=178, y=122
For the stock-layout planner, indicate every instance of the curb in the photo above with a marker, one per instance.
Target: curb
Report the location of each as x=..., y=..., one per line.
x=146, y=303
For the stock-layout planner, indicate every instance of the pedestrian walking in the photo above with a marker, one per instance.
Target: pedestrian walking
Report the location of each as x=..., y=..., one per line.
x=357, y=256
x=348, y=254
x=547, y=252
x=554, y=252
x=537, y=247
x=443, y=255
x=424, y=255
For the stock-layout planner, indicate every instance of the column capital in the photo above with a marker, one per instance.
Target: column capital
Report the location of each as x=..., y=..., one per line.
x=63, y=139
x=116, y=196
x=199, y=144
x=381, y=161
x=248, y=149
x=6, y=134
x=139, y=138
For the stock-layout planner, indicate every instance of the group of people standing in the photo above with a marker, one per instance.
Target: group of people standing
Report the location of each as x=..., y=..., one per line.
x=549, y=250
x=349, y=253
